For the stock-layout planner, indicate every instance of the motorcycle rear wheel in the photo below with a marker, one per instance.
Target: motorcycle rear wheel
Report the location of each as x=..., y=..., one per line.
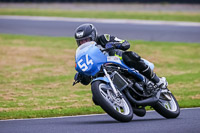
x=168, y=108
x=118, y=108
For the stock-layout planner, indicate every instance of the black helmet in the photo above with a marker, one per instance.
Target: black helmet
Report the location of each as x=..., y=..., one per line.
x=85, y=33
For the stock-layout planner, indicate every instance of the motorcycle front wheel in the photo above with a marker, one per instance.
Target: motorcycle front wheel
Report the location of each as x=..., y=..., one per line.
x=118, y=108
x=168, y=108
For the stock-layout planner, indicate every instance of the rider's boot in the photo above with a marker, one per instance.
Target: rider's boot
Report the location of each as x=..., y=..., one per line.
x=160, y=82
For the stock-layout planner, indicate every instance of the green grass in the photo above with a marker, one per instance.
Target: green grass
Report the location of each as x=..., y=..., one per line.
x=36, y=75
x=168, y=16
x=51, y=112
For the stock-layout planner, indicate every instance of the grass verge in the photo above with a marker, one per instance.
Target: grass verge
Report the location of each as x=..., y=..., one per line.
x=166, y=16
x=36, y=75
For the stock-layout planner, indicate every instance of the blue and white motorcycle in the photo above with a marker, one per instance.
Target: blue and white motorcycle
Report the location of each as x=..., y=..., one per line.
x=119, y=90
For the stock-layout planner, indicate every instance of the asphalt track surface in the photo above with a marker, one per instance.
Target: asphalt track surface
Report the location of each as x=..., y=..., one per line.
x=130, y=31
x=187, y=122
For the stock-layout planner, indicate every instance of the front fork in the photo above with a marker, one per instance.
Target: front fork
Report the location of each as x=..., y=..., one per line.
x=111, y=83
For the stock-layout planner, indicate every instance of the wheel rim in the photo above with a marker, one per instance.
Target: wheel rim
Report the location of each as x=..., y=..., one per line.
x=169, y=105
x=119, y=104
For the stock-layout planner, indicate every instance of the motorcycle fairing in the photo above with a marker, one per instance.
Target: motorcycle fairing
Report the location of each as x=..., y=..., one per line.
x=89, y=60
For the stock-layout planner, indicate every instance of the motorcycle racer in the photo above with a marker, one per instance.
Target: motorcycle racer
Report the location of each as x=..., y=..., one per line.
x=87, y=32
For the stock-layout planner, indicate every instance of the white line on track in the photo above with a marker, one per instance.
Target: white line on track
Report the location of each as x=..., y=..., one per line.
x=80, y=116
x=113, y=21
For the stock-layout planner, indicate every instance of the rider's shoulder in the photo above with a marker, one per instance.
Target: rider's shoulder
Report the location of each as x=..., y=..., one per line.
x=105, y=38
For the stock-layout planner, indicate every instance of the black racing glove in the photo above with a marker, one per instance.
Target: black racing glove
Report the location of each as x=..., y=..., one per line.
x=111, y=46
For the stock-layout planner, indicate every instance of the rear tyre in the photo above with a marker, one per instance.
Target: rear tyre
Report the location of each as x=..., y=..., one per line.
x=168, y=108
x=117, y=107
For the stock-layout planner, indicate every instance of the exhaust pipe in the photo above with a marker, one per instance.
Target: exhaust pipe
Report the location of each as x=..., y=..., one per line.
x=149, y=101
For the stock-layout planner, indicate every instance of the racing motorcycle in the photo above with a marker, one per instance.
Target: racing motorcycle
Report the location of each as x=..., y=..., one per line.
x=119, y=90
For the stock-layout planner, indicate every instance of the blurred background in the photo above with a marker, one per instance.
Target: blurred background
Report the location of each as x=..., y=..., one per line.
x=108, y=1
x=37, y=50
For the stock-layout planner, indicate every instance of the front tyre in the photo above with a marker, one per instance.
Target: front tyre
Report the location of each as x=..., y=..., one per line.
x=118, y=108
x=168, y=108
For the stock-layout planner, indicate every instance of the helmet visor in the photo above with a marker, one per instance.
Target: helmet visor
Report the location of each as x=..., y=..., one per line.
x=84, y=40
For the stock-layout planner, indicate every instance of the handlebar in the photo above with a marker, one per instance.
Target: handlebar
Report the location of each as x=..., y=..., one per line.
x=110, y=51
x=107, y=49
